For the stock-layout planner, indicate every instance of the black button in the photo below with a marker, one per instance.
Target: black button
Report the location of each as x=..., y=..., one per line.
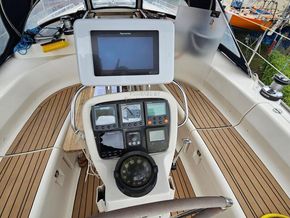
x=135, y=124
x=160, y=118
x=103, y=154
x=103, y=127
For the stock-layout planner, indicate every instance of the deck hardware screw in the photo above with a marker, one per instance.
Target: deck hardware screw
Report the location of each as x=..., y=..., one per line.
x=56, y=174
x=198, y=153
x=278, y=111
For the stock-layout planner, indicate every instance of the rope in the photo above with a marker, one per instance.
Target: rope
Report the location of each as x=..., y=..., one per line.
x=27, y=39
x=29, y=152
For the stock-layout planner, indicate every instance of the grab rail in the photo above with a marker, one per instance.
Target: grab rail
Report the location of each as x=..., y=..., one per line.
x=199, y=206
x=73, y=109
x=186, y=114
x=73, y=105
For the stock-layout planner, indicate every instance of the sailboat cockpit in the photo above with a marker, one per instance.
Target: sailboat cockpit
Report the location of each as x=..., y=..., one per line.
x=136, y=109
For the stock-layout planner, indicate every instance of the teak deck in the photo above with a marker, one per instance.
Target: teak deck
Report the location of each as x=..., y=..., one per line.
x=20, y=176
x=85, y=199
x=253, y=185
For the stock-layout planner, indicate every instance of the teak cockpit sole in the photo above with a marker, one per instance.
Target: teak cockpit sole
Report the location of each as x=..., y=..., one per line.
x=20, y=176
x=254, y=186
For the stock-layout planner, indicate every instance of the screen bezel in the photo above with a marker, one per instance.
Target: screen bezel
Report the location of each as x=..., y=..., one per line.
x=129, y=104
x=154, y=131
x=94, y=117
x=165, y=28
x=126, y=34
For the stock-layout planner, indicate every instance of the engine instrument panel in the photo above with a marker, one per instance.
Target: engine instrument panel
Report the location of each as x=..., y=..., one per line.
x=105, y=117
x=132, y=114
x=122, y=126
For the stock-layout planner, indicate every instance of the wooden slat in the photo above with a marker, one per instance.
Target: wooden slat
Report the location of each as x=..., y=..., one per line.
x=47, y=129
x=253, y=185
x=95, y=185
x=25, y=186
x=202, y=113
x=18, y=145
x=185, y=180
x=78, y=197
x=20, y=176
x=30, y=195
x=45, y=123
x=85, y=199
x=28, y=125
x=36, y=133
x=89, y=202
x=182, y=184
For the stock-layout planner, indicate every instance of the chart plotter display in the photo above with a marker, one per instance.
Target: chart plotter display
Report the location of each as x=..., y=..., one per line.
x=125, y=51
x=118, y=53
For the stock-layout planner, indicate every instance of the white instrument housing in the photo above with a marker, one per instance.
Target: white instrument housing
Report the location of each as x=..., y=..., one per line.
x=114, y=198
x=83, y=37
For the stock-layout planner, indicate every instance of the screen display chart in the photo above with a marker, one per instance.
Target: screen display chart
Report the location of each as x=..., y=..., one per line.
x=113, y=139
x=121, y=53
x=114, y=52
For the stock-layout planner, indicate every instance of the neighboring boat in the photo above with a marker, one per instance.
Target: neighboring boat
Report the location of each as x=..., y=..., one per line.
x=252, y=17
x=122, y=111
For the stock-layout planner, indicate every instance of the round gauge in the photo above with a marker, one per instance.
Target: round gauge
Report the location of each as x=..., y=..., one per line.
x=131, y=113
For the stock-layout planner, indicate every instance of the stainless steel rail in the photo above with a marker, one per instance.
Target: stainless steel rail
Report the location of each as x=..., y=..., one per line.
x=186, y=114
x=185, y=143
x=73, y=109
x=203, y=206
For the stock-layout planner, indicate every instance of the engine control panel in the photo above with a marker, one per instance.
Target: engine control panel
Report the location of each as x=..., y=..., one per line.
x=122, y=126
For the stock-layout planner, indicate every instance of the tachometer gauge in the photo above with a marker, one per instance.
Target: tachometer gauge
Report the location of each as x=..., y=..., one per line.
x=131, y=113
